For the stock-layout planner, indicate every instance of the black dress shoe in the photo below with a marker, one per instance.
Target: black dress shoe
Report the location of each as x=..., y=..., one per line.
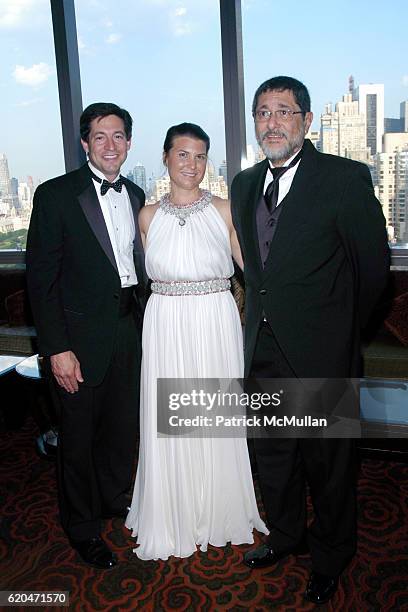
x=321, y=588
x=264, y=555
x=261, y=557
x=95, y=552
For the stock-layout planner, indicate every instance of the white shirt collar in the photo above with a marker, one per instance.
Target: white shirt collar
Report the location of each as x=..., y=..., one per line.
x=100, y=174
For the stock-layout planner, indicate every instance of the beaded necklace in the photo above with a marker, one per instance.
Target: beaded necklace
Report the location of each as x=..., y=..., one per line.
x=183, y=212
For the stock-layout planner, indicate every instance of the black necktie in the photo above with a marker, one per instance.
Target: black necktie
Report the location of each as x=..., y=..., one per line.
x=271, y=194
x=106, y=185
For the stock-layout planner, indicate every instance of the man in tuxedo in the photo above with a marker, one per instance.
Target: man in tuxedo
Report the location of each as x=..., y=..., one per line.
x=316, y=261
x=84, y=274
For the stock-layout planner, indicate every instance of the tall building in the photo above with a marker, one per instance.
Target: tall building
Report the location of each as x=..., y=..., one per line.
x=404, y=116
x=162, y=186
x=151, y=189
x=217, y=185
x=392, y=125
x=352, y=130
x=209, y=176
x=392, y=178
x=223, y=171
x=314, y=137
x=401, y=188
x=343, y=131
x=14, y=185
x=329, y=131
x=8, y=192
x=371, y=104
x=385, y=179
x=219, y=188
x=212, y=176
x=25, y=196
x=5, y=186
x=394, y=141
x=139, y=176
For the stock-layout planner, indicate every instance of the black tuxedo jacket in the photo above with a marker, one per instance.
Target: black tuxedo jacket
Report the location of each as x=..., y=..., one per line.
x=327, y=265
x=72, y=276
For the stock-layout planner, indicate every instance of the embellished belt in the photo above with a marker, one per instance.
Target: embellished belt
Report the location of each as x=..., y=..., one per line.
x=214, y=285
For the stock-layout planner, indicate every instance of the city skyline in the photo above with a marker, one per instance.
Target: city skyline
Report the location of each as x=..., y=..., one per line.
x=319, y=121
x=164, y=58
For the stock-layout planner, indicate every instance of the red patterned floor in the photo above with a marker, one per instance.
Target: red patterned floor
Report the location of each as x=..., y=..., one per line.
x=35, y=555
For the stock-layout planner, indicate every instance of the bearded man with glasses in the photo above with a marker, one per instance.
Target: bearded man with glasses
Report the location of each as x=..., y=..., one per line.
x=316, y=261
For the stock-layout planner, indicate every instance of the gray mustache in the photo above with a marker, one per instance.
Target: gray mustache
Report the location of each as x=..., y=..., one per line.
x=273, y=133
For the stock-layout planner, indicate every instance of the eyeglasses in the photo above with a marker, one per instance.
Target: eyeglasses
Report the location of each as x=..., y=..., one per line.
x=283, y=114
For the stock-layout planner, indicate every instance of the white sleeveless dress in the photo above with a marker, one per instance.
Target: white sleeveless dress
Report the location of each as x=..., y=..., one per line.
x=190, y=491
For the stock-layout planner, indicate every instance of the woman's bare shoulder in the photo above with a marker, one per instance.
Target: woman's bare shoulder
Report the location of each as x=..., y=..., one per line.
x=148, y=210
x=146, y=215
x=220, y=204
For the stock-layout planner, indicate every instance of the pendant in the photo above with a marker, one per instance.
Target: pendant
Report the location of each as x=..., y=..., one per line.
x=182, y=222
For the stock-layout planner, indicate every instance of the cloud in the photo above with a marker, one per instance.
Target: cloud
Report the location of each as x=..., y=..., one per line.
x=405, y=80
x=182, y=17
x=182, y=29
x=18, y=12
x=34, y=76
x=25, y=103
x=112, y=39
x=179, y=23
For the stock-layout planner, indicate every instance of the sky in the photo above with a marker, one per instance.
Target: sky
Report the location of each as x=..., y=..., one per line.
x=161, y=60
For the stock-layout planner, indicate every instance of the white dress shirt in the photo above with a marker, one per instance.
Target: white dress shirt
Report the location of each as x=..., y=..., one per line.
x=285, y=180
x=118, y=215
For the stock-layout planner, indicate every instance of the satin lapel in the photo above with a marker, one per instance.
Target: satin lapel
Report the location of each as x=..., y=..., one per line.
x=250, y=229
x=90, y=205
x=295, y=211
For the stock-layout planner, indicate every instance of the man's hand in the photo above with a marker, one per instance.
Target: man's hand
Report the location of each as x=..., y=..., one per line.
x=67, y=370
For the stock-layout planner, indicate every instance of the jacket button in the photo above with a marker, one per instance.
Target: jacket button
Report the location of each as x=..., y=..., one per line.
x=262, y=291
x=116, y=296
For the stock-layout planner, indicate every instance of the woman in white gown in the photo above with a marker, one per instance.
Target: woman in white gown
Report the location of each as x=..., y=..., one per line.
x=189, y=491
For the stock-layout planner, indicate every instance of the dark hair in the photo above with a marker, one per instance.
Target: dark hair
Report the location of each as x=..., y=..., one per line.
x=282, y=83
x=103, y=109
x=185, y=129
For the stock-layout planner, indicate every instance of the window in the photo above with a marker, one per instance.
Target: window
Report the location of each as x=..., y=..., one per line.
x=31, y=144
x=322, y=51
x=162, y=62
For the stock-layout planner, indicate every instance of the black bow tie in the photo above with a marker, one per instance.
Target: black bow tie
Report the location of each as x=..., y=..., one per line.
x=106, y=185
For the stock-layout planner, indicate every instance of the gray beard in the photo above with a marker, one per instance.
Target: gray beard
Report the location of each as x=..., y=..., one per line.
x=285, y=152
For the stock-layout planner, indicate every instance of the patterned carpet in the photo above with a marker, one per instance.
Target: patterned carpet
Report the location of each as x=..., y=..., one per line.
x=35, y=555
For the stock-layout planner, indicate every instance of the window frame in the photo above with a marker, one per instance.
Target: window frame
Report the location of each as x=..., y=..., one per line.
x=70, y=96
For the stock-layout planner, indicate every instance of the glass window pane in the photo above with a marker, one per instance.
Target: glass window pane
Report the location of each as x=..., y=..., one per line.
x=162, y=62
x=31, y=148
x=363, y=116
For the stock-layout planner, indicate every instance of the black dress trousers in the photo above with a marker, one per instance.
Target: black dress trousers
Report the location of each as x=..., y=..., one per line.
x=98, y=432
x=284, y=467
